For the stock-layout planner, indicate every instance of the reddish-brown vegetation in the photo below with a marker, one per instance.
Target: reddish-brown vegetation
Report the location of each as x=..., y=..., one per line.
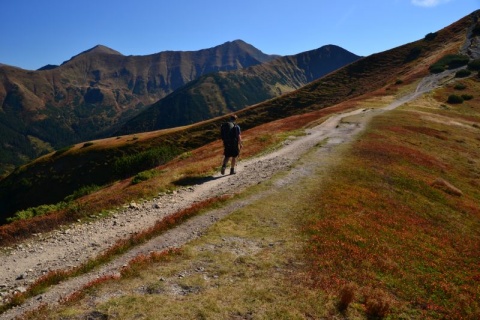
x=382, y=226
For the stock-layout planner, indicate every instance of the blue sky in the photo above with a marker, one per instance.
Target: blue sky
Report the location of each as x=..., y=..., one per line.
x=36, y=33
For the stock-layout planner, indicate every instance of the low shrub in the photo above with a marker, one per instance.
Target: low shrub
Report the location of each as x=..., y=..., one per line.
x=457, y=61
x=474, y=65
x=460, y=86
x=463, y=73
x=431, y=36
x=377, y=306
x=450, y=61
x=453, y=98
x=437, y=69
x=467, y=97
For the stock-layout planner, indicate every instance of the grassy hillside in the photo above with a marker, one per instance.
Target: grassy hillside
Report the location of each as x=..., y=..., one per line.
x=389, y=228
x=66, y=171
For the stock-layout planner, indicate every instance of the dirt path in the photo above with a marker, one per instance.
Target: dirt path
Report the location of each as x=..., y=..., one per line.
x=70, y=247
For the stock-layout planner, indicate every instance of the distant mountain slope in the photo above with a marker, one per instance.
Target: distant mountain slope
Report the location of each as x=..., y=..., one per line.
x=53, y=177
x=220, y=93
x=95, y=90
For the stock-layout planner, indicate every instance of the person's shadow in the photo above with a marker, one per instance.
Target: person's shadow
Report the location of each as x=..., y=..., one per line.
x=190, y=181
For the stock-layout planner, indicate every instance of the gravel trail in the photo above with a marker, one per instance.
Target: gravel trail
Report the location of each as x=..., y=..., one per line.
x=24, y=263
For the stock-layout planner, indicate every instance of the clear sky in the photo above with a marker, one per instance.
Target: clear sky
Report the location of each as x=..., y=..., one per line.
x=39, y=32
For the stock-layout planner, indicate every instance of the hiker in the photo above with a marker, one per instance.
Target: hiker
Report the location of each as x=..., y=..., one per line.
x=232, y=143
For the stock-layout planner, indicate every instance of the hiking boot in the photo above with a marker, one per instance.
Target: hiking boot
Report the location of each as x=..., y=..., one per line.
x=223, y=170
x=232, y=171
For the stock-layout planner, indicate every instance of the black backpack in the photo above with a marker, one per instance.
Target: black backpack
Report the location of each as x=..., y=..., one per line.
x=228, y=133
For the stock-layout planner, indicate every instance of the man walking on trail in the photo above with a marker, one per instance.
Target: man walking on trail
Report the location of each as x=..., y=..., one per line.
x=232, y=143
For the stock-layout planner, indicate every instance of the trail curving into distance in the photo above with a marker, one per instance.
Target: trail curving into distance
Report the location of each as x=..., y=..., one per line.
x=71, y=247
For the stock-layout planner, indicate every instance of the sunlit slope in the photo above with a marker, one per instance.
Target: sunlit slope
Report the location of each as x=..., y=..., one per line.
x=53, y=177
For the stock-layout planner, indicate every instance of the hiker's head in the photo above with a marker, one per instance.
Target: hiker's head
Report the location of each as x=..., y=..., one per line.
x=233, y=117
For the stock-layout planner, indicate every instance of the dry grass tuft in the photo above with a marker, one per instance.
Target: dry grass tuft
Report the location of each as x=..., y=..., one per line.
x=347, y=296
x=377, y=305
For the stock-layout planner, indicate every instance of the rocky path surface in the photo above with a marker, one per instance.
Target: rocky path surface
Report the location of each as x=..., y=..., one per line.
x=69, y=247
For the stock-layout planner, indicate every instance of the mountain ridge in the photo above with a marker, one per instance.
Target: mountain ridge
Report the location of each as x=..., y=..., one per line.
x=234, y=90
x=49, y=109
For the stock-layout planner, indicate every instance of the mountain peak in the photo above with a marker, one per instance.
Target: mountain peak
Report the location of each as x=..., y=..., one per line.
x=240, y=48
x=101, y=49
x=98, y=49
x=240, y=44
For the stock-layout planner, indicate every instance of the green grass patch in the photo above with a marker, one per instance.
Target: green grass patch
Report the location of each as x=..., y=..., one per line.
x=37, y=211
x=130, y=164
x=450, y=61
x=145, y=175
